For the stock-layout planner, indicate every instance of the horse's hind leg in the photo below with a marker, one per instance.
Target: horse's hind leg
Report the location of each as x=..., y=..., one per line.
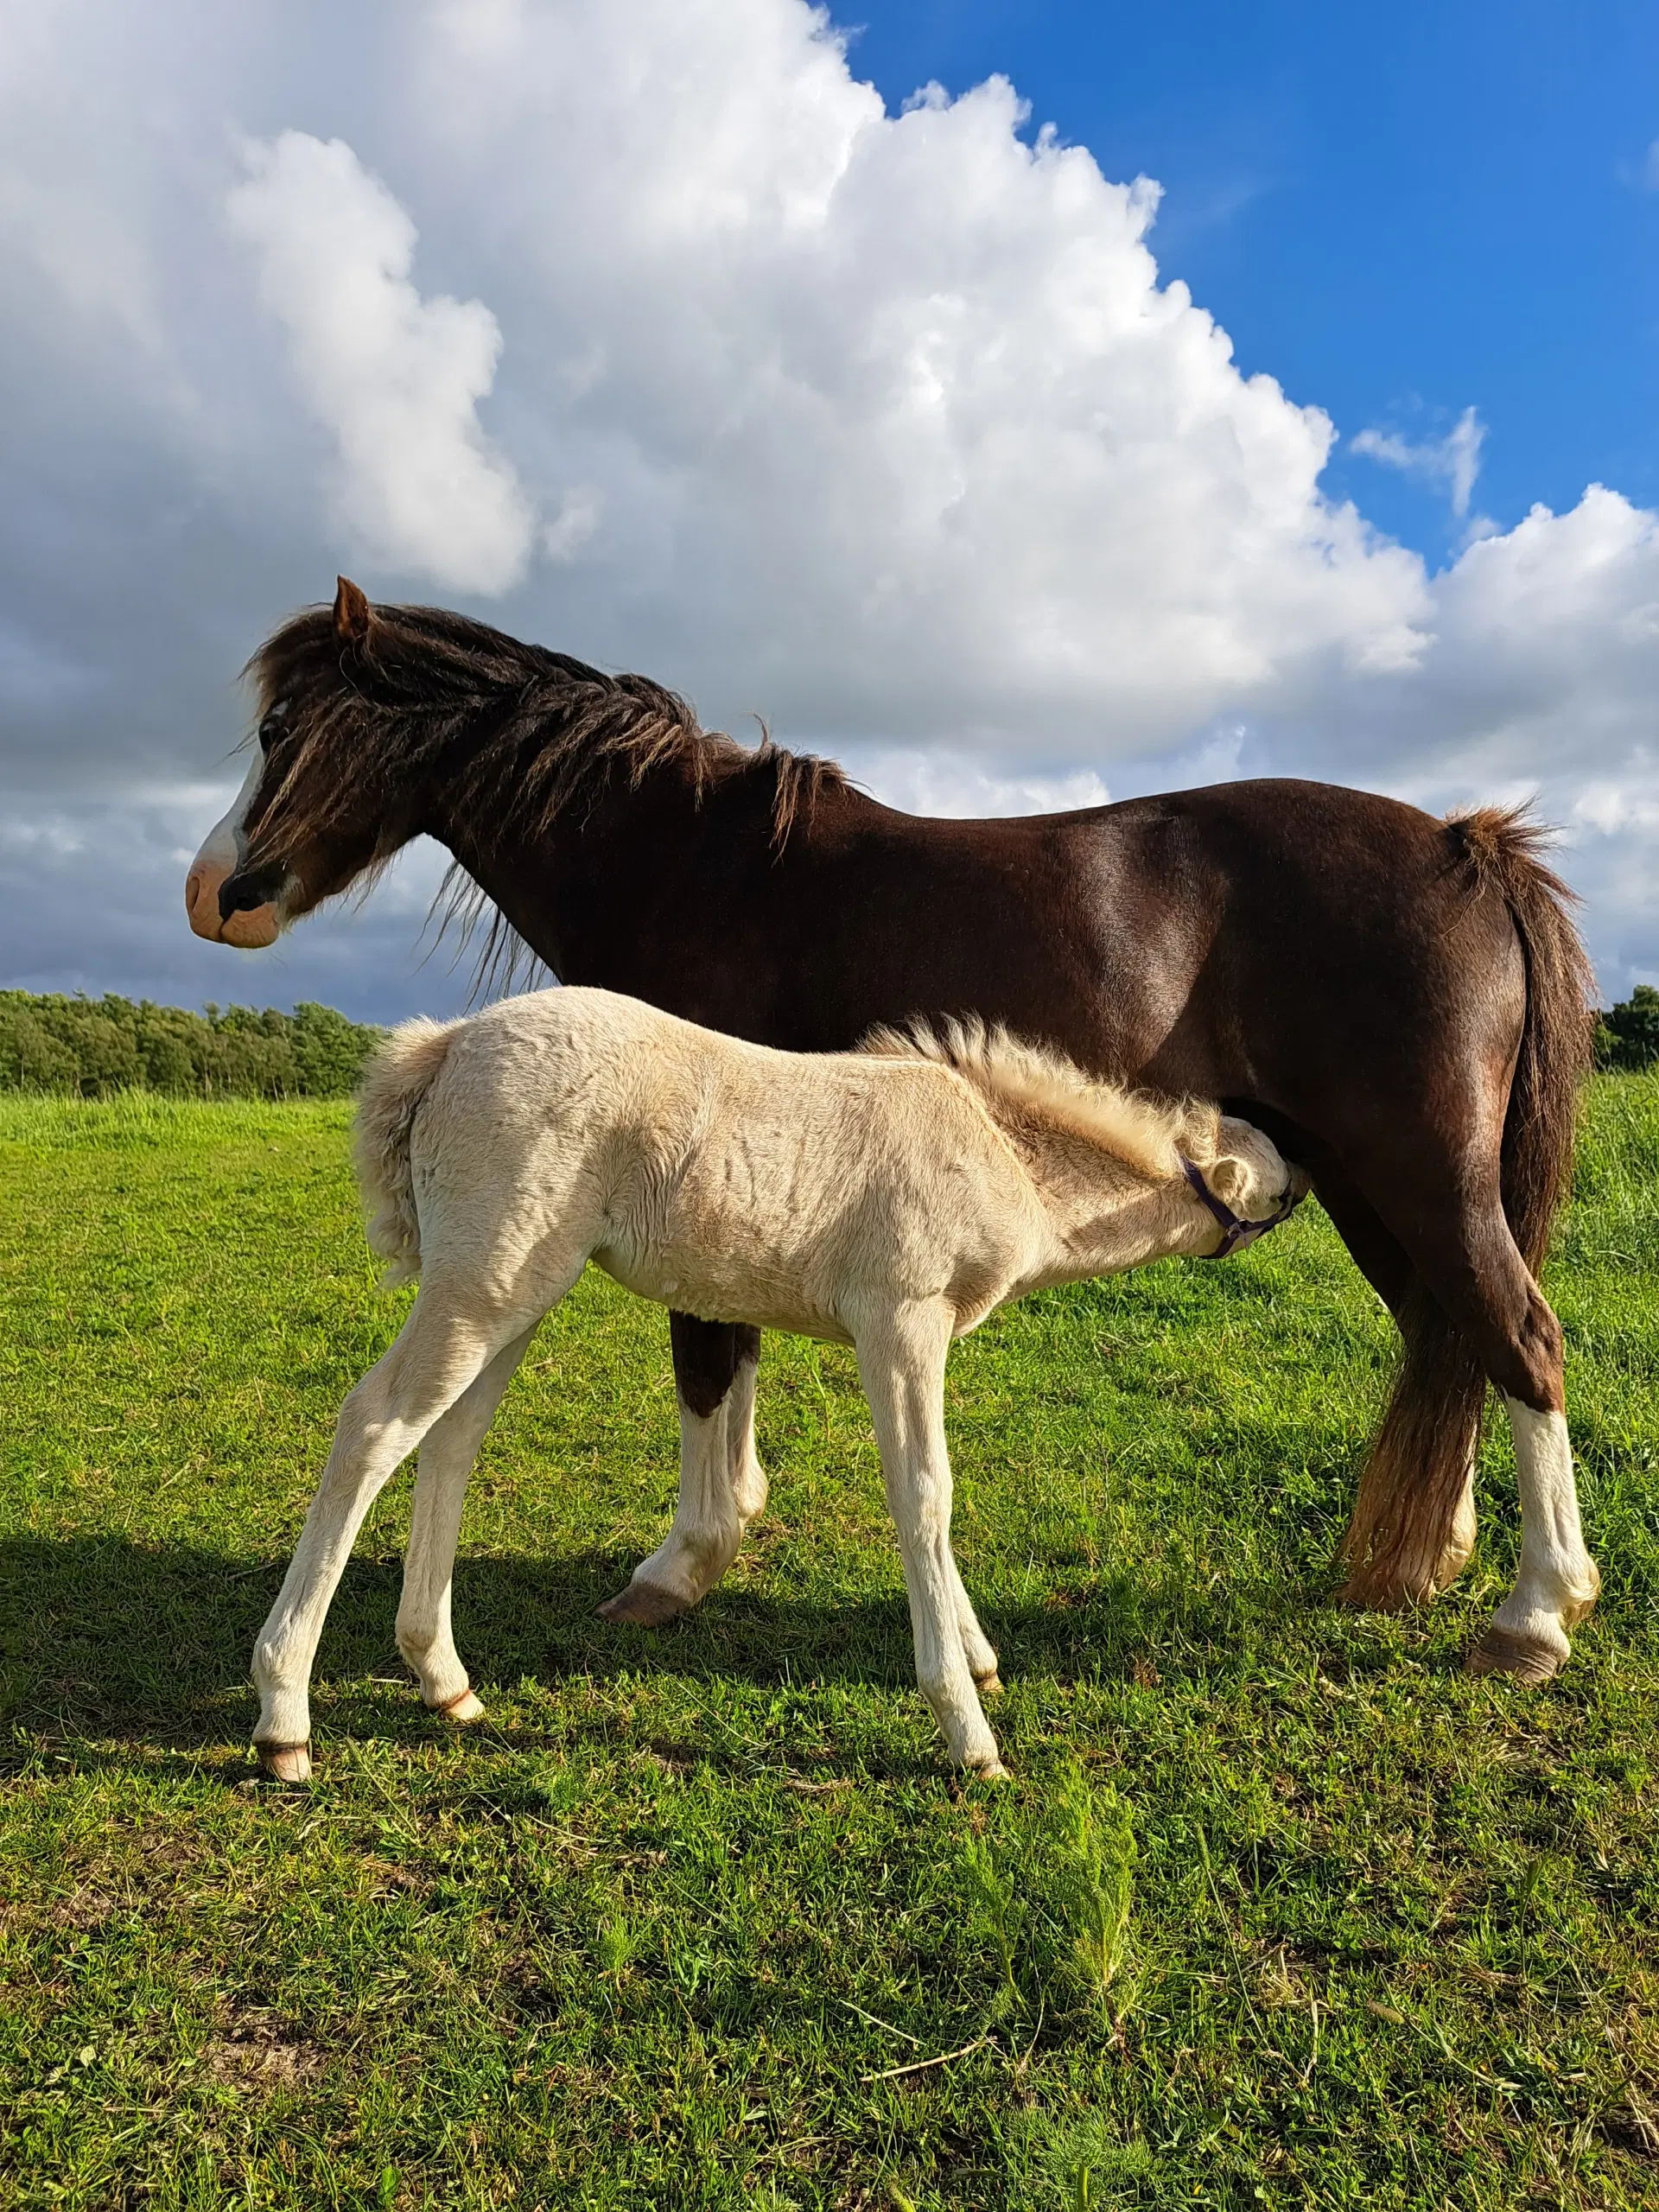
x=425, y=1632
x=1386, y=1265
x=722, y=1484
x=438, y=1354
x=1558, y=1580
x=1468, y=1260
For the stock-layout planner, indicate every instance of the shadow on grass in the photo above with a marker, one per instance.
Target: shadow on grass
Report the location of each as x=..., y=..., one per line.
x=147, y=1643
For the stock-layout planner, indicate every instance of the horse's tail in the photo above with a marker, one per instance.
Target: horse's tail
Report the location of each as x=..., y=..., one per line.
x=394, y=1084
x=1404, y=1541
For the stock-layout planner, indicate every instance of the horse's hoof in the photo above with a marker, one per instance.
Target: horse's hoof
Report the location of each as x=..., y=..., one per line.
x=1524, y=1658
x=285, y=1762
x=647, y=1604
x=465, y=1705
x=988, y=1684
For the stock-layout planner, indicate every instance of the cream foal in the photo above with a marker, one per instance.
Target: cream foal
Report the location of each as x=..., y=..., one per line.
x=887, y=1199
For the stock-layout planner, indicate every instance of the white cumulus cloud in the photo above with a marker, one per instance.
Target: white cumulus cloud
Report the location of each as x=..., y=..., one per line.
x=396, y=377
x=885, y=426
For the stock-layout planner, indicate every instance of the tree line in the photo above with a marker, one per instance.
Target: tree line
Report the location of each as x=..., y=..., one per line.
x=48, y=1042
x=94, y=1046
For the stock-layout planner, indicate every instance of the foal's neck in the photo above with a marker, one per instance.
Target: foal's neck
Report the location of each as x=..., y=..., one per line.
x=1104, y=1217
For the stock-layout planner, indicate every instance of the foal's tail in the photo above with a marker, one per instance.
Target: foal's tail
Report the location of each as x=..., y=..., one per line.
x=395, y=1082
x=1403, y=1543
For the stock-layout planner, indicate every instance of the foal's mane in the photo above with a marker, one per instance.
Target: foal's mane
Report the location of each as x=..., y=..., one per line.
x=1023, y=1083
x=520, y=732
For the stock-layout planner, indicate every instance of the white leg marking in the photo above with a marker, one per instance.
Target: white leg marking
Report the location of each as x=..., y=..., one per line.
x=749, y=1485
x=722, y=1487
x=902, y=1365
x=1558, y=1581
x=425, y=1635
x=429, y=1367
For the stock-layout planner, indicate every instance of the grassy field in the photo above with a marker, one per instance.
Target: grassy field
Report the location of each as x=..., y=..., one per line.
x=1280, y=1908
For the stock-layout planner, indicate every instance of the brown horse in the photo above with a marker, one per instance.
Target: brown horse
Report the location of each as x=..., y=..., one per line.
x=1400, y=1002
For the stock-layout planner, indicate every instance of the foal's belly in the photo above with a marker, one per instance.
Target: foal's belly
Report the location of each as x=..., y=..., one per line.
x=711, y=1292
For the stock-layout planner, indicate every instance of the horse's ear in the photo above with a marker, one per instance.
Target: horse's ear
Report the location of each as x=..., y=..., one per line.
x=350, y=613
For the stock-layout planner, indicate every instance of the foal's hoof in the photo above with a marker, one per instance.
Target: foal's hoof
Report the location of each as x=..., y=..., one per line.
x=285, y=1762
x=1525, y=1658
x=465, y=1705
x=988, y=1684
x=992, y=1770
x=647, y=1604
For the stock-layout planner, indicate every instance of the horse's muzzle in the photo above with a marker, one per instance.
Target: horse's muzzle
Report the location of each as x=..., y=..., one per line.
x=230, y=907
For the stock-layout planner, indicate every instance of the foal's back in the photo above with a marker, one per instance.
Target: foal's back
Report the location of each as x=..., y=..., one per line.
x=726, y=1179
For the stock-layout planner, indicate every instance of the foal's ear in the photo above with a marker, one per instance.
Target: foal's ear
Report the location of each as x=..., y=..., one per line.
x=1228, y=1178
x=350, y=613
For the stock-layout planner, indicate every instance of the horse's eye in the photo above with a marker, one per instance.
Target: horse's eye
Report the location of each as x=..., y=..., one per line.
x=272, y=728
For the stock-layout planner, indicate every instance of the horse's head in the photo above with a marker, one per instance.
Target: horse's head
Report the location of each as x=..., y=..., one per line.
x=303, y=827
x=1247, y=1188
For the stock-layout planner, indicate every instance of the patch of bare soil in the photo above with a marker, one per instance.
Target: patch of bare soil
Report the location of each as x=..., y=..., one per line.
x=261, y=2052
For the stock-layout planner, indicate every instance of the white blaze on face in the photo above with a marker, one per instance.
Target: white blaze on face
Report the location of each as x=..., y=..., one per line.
x=219, y=857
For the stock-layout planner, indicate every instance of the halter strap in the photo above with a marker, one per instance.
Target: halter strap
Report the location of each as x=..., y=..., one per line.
x=1235, y=1234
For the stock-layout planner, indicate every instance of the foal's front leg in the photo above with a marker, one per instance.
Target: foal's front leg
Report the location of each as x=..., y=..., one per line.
x=902, y=1365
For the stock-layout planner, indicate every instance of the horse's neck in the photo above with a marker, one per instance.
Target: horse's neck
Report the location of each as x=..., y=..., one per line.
x=578, y=890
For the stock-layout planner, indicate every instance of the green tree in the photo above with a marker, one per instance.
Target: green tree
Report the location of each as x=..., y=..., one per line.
x=51, y=1042
x=1627, y=1035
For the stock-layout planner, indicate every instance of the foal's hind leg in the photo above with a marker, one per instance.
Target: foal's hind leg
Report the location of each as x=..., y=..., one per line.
x=436, y=1357
x=425, y=1633
x=977, y=1647
x=722, y=1483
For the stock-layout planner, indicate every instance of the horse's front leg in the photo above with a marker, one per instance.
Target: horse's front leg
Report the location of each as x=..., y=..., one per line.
x=425, y=1632
x=722, y=1483
x=435, y=1359
x=902, y=1365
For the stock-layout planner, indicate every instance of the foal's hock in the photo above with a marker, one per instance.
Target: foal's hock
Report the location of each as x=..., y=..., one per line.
x=888, y=1198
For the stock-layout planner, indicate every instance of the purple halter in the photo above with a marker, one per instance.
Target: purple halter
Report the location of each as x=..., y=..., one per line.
x=1234, y=1234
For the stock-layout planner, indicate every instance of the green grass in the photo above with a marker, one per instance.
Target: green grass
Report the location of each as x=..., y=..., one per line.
x=1280, y=1908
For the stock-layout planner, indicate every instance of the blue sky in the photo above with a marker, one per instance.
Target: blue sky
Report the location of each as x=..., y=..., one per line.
x=647, y=330
x=1398, y=211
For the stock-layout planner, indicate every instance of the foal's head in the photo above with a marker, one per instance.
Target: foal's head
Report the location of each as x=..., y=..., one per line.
x=1239, y=1184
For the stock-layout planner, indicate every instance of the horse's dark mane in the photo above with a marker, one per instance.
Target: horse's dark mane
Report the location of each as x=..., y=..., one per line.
x=518, y=732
